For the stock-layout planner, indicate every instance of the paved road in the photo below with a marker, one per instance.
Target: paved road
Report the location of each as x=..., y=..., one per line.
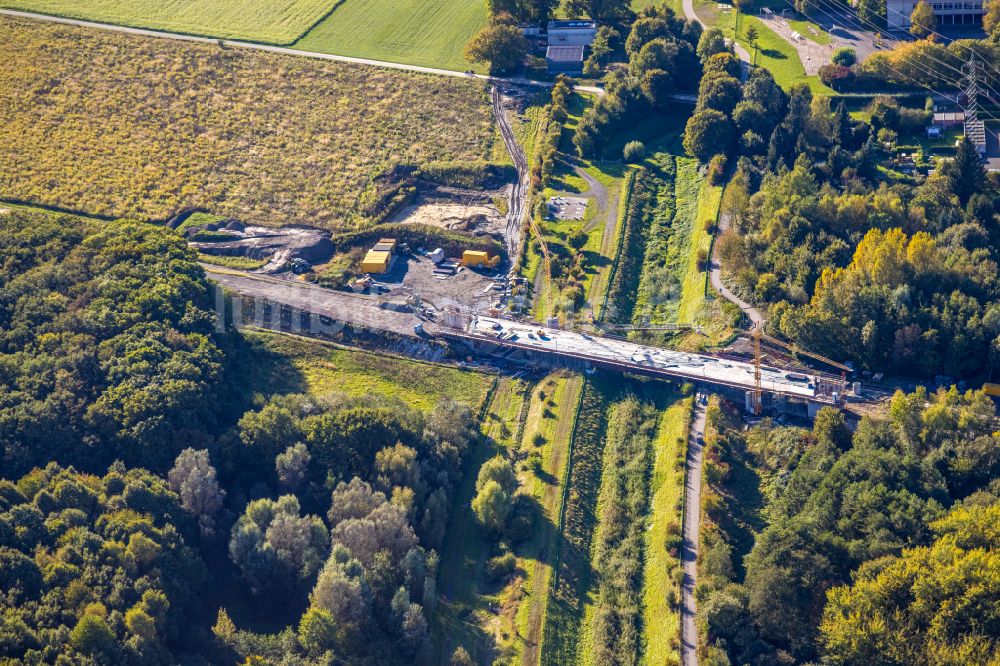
x=689, y=551
x=339, y=306
x=741, y=52
x=290, y=51
x=630, y=356
x=715, y=277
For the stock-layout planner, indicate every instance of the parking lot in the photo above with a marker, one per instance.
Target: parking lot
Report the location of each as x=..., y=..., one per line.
x=567, y=208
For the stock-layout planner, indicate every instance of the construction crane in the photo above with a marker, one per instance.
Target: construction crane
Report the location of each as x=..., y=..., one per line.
x=759, y=336
x=758, y=393
x=795, y=350
x=648, y=327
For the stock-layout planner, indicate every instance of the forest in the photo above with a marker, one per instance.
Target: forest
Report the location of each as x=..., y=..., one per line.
x=176, y=491
x=892, y=273
x=877, y=546
x=146, y=481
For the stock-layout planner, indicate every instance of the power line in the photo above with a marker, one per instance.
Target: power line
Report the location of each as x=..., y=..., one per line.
x=916, y=64
x=875, y=27
x=852, y=20
x=956, y=42
x=924, y=67
x=866, y=25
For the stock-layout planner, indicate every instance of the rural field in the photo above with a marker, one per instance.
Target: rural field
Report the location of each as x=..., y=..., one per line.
x=300, y=365
x=431, y=33
x=613, y=589
x=279, y=22
x=116, y=125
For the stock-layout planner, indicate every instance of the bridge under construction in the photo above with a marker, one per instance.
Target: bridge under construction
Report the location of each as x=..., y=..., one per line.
x=783, y=389
x=528, y=343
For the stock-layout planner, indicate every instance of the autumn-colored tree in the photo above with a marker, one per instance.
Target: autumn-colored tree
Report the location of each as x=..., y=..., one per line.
x=934, y=604
x=922, y=20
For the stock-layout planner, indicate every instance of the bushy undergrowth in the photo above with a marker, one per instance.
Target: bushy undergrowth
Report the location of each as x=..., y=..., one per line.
x=618, y=554
x=572, y=569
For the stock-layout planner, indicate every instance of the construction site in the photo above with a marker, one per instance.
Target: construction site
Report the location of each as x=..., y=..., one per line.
x=757, y=383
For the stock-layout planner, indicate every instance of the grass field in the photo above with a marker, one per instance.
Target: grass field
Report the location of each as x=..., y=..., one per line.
x=431, y=33
x=661, y=624
x=120, y=125
x=773, y=53
x=548, y=433
x=276, y=21
x=320, y=369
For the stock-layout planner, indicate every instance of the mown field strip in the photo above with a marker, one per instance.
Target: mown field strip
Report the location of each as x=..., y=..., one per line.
x=419, y=32
x=661, y=594
x=271, y=21
x=554, y=419
x=611, y=246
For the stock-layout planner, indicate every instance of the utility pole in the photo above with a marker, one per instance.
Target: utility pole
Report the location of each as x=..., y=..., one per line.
x=975, y=128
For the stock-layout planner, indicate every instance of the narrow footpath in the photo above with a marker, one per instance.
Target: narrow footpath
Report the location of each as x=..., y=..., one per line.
x=741, y=53
x=715, y=278
x=689, y=550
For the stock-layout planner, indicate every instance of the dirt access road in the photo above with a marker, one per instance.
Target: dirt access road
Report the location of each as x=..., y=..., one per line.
x=519, y=191
x=608, y=203
x=355, y=309
x=689, y=549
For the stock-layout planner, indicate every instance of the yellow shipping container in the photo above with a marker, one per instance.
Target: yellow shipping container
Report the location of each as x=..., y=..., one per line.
x=475, y=258
x=376, y=262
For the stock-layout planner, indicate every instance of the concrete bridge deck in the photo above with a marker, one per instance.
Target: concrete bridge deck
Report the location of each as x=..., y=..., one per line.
x=625, y=356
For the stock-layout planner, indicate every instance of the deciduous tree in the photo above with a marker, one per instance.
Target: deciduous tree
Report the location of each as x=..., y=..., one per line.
x=502, y=47
x=193, y=479
x=922, y=20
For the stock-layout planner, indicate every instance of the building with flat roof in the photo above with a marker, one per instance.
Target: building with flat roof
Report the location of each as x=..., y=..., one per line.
x=949, y=118
x=379, y=258
x=958, y=12
x=576, y=32
x=564, y=60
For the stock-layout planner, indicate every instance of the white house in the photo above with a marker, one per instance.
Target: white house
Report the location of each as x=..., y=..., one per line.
x=577, y=32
